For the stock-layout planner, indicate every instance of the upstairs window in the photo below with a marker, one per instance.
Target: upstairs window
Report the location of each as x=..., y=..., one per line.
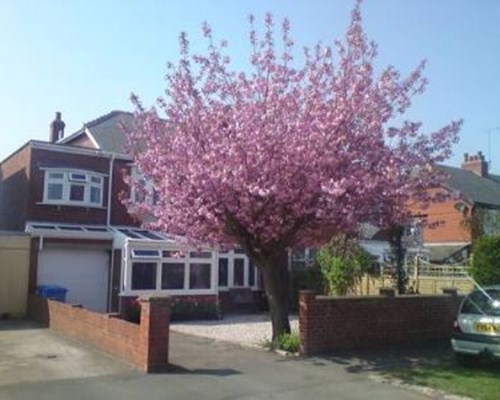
x=142, y=190
x=70, y=187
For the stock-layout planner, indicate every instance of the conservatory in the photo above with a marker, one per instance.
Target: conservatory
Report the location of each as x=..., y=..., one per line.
x=99, y=263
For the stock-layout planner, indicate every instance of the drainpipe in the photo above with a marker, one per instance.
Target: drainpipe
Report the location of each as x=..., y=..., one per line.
x=111, y=280
x=110, y=188
x=108, y=223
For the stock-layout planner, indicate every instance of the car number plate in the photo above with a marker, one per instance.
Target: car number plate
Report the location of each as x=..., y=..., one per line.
x=485, y=327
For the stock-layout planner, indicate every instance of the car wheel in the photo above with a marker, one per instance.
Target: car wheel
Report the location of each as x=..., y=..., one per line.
x=465, y=360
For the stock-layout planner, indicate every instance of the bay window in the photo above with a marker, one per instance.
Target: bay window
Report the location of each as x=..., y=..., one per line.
x=199, y=275
x=236, y=270
x=171, y=270
x=172, y=276
x=223, y=271
x=180, y=272
x=239, y=272
x=143, y=275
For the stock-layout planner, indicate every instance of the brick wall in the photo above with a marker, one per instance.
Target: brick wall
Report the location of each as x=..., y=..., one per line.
x=121, y=191
x=71, y=214
x=14, y=189
x=333, y=323
x=446, y=223
x=145, y=345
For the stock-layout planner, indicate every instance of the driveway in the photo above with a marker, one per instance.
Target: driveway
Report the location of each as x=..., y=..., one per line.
x=250, y=330
x=202, y=369
x=31, y=353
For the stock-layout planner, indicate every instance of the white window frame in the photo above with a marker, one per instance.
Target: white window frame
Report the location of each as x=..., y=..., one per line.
x=307, y=258
x=231, y=256
x=68, y=179
x=136, y=176
x=130, y=257
x=154, y=254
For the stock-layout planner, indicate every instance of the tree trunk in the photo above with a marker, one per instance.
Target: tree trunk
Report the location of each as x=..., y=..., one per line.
x=399, y=256
x=276, y=283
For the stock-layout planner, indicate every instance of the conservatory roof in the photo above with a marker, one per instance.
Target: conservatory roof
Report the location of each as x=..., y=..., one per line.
x=70, y=231
x=119, y=234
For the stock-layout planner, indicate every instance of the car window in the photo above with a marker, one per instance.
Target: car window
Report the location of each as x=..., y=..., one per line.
x=479, y=303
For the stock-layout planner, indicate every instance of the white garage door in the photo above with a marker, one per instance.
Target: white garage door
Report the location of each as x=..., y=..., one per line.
x=83, y=272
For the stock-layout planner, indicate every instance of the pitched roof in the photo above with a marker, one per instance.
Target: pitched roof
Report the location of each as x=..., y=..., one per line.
x=475, y=188
x=105, y=131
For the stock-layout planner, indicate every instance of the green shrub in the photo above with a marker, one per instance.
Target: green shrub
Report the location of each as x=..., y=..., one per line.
x=343, y=263
x=310, y=278
x=289, y=342
x=485, y=267
x=183, y=310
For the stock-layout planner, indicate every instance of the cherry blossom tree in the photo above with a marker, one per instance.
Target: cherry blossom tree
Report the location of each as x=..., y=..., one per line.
x=287, y=153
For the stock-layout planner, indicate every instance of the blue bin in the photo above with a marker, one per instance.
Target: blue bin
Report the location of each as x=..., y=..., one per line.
x=53, y=292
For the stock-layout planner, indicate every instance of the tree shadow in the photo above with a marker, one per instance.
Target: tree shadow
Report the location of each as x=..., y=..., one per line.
x=387, y=358
x=220, y=372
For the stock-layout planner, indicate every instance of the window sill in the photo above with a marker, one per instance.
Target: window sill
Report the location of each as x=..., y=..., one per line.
x=67, y=204
x=171, y=292
x=227, y=289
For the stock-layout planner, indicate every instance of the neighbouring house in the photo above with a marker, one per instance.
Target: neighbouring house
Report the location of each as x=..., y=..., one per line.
x=67, y=194
x=373, y=240
x=473, y=208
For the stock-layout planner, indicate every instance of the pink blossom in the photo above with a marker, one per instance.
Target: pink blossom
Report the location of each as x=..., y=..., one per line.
x=277, y=156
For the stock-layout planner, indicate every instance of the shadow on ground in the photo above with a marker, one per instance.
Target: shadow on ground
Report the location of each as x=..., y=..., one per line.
x=220, y=372
x=388, y=357
x=19, y=325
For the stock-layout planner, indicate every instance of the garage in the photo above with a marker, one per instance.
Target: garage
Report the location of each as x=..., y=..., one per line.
x=83, y=270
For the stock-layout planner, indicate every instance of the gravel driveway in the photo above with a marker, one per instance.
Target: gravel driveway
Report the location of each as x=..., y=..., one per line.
x=249, y=330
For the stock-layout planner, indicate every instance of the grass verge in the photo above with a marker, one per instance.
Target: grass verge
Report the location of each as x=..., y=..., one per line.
x=479, y=380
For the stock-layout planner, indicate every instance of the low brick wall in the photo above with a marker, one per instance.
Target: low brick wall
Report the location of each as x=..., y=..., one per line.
x=332, y=323
x=145, y=345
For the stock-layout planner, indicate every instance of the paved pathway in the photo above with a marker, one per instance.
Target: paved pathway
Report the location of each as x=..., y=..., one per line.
x=204, y=369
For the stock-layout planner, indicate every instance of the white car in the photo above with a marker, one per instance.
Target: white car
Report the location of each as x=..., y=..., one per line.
x=476, y=331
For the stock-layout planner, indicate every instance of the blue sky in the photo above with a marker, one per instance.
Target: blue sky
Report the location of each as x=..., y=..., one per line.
x=84, y=58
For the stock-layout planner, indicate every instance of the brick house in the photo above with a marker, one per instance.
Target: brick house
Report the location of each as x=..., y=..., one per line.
x=66, y=193
x=472, y=208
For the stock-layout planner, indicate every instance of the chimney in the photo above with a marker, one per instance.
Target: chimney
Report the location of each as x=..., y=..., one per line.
x=57, y=128
x=476, y=164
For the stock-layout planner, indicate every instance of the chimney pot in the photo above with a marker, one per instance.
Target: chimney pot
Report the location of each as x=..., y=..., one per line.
x=475, y=163
x=57, y=128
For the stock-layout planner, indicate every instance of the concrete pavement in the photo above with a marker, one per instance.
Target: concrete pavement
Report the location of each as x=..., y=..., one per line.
x=31, y=353
x=204, y=369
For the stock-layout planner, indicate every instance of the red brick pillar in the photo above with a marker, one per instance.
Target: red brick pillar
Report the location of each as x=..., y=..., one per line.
x=154, y=333
x=307, y=300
